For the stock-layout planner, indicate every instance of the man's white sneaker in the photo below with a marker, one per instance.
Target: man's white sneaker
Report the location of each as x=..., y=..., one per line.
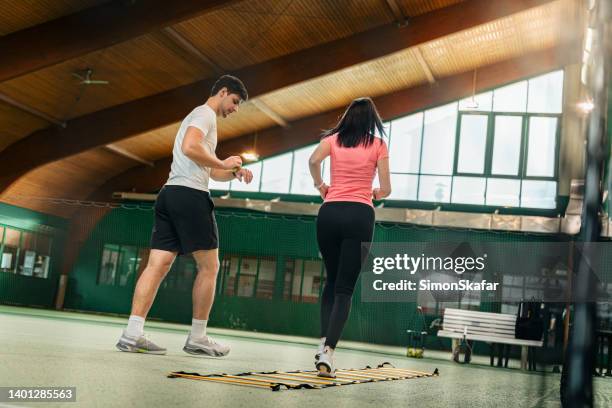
x=138, y=345
x=205, y=346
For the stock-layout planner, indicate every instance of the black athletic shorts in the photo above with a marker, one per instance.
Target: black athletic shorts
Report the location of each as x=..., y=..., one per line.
x=184, y=221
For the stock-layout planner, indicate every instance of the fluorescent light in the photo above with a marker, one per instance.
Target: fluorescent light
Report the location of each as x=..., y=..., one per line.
x=249, y=156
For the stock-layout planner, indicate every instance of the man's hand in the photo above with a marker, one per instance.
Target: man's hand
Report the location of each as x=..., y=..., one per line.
x=244, y=175
x=232, y=163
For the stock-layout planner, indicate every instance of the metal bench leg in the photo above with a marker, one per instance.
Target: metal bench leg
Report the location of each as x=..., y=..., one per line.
x=493, y=347
x=506, y=355
x=454, y=345
x=524, y=352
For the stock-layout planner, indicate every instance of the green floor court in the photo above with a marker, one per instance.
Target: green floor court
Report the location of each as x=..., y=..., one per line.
x=44, y=348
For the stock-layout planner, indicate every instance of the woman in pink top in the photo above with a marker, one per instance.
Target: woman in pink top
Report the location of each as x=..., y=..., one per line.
x=346, y=218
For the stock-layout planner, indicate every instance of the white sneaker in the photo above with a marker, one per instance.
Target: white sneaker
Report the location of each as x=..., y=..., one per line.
x=138, y=345
x=325, y=364
x=319, y=351
x=205, y=346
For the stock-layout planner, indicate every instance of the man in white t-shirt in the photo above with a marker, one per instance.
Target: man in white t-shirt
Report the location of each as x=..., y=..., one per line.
x=185, y=221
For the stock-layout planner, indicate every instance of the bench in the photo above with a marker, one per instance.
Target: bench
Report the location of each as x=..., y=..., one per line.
x=494, y=328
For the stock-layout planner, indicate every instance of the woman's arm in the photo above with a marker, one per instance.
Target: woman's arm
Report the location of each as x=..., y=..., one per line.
x=384, y=179
x=314, y=164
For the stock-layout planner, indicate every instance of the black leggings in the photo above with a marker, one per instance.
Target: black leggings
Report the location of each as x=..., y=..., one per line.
x=341, y=228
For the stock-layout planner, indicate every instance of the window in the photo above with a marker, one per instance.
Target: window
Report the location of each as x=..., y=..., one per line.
x=303, y=280
x=119, y=265
x=439, y=140
x=27, y=254
x=507, y=145
x=472, y=144
x=229, y=269
x=276, y=177
x=406, y=138
x=10, y=250
x=255, y=168
x=265, y=278
x=480, y=150
x=248, y=276
x=301, y=181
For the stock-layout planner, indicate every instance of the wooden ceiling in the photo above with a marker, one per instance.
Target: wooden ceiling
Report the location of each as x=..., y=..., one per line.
x=240, y=35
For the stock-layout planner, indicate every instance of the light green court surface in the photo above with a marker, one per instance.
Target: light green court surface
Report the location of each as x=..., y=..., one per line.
x=48, y=348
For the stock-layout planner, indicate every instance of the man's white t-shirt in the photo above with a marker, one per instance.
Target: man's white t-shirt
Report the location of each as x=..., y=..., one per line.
x=184, y=171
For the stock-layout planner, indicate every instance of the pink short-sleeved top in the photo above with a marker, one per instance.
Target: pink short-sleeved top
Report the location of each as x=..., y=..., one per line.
x=353, y=170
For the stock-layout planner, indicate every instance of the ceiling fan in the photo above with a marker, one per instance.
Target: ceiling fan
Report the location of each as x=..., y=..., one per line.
x=85, y=77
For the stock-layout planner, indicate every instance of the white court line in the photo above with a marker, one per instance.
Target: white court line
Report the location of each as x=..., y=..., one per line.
x=12, y=406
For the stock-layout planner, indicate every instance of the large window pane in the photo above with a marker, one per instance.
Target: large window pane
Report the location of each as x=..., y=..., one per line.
x=472, y=144
x=468, y=190
x=248, y=272
x=229, y=269
x=327, y=171
x=218, y=185
x=43, y=258
x=275, y=177
x=546, y=93
x=293, y=279
x=503, y=192
x=27, y=254
x=404, y=187
x=435, y=189
x=109, y=264
x=128, y=265
x=254, y=185
x=302, y=180
x=405, y=144
x=541, y=151
x=507, y=145
x=439, y=140
x=8, y=262
x=311, y=285
x=481, y=102
x=265, y=278
x=511, y=98
x=539, y=194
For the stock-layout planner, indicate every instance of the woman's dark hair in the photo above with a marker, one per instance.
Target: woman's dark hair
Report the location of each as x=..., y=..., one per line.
x=233, y=85
x=358, y=124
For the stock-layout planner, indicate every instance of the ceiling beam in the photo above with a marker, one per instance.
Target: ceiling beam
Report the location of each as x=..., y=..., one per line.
x=396, y=10
x=28, y=109
x=306, y=131
x=145, y=114
x=424, y=65
x=92, y=29
x=269, y=112
x=127, y=154
x=188, y=46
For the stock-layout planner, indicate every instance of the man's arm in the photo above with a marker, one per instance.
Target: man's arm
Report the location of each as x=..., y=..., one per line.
x=192, y=148
x=222, y=175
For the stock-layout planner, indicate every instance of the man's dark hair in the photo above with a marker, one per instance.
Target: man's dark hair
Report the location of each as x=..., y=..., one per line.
x=233, y=85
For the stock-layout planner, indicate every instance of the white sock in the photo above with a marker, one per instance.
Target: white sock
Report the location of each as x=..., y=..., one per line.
x=135, y=327
x=198, y=328
x=329, y=351
x=323, y=341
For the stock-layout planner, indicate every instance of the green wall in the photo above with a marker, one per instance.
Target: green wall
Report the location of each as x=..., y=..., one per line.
x=249, y=233
x=28, y=290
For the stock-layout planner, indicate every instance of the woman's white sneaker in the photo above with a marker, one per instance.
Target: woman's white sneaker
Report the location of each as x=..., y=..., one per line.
x=325, y=363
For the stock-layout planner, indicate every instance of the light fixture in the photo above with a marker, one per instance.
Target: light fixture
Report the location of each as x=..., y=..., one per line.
x=472, y=104
x=251, y=155
x=585, y=106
